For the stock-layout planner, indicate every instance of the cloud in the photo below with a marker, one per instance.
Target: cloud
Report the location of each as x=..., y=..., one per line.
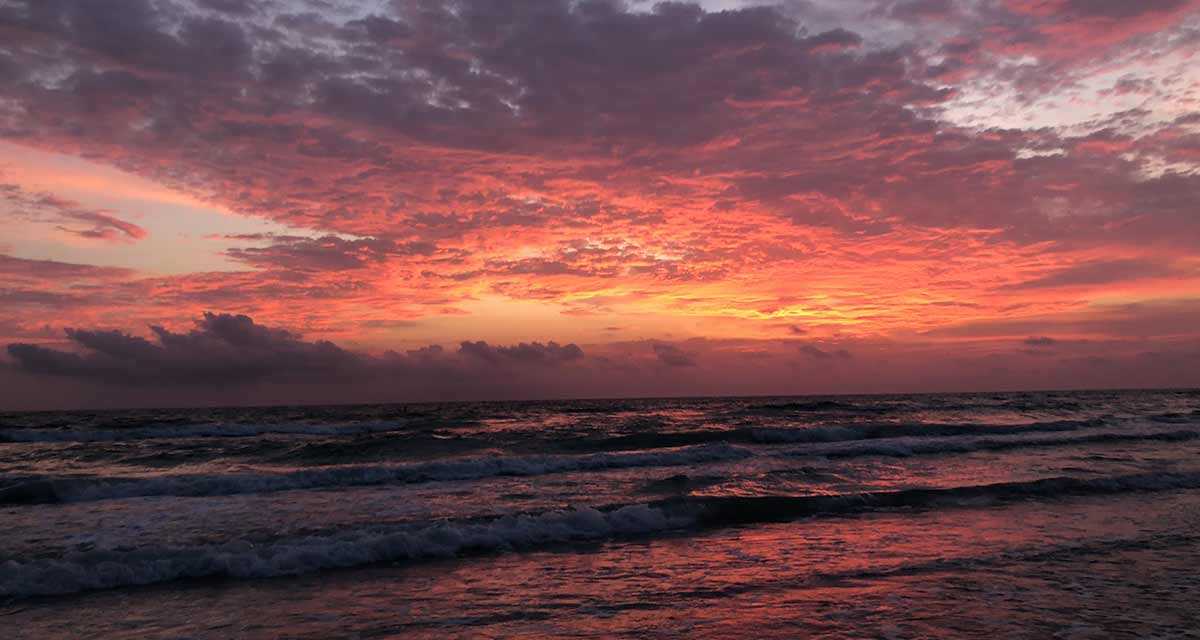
x=25, y=268
x=226, y=349
x=1159, y=320
x=816, y=352
x=35, y=297
x=222, y=349
x=550, y=353
x=460, y=126
x=67, y=216
x=1108, y=9
x=325, y=253
x=1040, y=341
x=1099, y=273
x=230, y=359
x=916, y=10
x=102, y=226
x=235, y=7
x=672, y=356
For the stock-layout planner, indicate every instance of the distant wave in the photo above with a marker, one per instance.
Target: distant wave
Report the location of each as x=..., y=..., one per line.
x=80, y=489
x=650, y=438
x=1176, y=417
x=826, y=433
x=905, y=447
x=841, y=433
x=816, y=406
x=48, y=490
x=721, y=510
x=151, y=432
x=90, y=570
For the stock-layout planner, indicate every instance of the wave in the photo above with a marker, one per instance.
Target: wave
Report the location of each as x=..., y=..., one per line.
x=892, y=439
x=729, y=510
x=164, y=431
x=48, y=490
x=816, y=406
x=91, y=570
x=821, y=433
x=422, y=430
x=109, y=569
x=842, y=433
x=67, y=489
x=905, y=447
x=1032, y=554
x=1176, y=417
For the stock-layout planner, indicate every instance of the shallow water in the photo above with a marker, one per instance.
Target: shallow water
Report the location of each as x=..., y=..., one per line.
x=1068, y=515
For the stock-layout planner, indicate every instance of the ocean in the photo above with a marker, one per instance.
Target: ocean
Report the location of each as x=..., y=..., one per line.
x=988, y=515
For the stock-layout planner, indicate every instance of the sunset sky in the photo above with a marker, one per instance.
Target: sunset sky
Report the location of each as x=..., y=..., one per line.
x=228, y=201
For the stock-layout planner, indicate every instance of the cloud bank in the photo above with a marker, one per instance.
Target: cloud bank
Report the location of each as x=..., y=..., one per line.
x=231, y=359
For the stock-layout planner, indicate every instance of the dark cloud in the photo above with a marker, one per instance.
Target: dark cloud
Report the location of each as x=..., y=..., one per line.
x=1150, y=320
x=1040, y=341
x=833, y=40
x=235, y=7
x=113, y=368
x=226, y=349
x=1121, y=8
x=818, y=353
x=672, y=355
x=1096, y=273
x=916, y=10
x=11, y=266
x=550, y=353
x=471, y=76
x=35, y=297
x=357, y=125
x=326, y=253
x=222, y=349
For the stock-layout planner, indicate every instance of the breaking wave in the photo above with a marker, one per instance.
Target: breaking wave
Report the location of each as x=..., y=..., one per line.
x=90, y=570
x=109, y=569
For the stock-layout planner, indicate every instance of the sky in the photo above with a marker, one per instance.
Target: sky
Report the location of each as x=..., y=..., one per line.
x=277, y=201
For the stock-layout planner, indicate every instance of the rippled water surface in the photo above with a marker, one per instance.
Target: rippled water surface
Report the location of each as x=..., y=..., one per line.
x=1023, y=515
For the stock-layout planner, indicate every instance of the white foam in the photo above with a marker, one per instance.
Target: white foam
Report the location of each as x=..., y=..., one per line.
x=110, y=569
